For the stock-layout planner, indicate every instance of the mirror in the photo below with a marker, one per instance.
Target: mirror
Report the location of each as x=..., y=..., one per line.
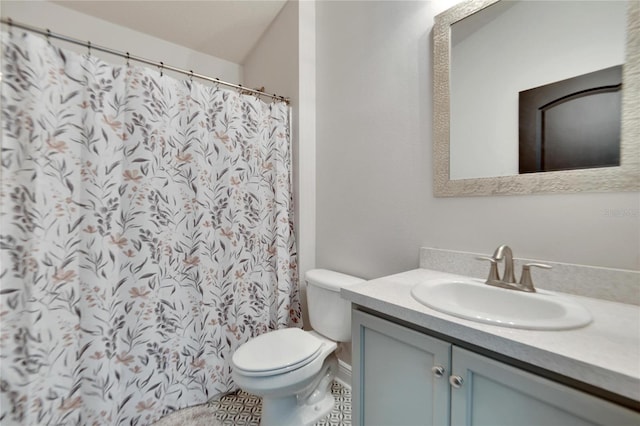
x=487, y=53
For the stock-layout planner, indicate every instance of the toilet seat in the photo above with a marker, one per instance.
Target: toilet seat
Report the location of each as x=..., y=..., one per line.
x=276, y=352
x=281, y=370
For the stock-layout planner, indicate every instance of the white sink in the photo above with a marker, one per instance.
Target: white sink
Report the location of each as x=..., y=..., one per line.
x=476, y=301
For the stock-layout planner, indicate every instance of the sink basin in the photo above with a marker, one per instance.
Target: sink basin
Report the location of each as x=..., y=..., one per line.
x=476, y=301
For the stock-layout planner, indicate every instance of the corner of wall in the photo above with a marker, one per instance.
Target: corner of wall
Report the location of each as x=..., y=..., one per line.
x=306, y=165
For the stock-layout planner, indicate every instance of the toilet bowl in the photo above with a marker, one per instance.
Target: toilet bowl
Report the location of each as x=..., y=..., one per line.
x=294, y=394
x=291, y=369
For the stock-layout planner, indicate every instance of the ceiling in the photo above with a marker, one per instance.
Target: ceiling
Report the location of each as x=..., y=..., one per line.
x=227, y=29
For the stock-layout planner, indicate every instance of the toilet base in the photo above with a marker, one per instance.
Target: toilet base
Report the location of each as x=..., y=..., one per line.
x=303, y=409
x=286, y=412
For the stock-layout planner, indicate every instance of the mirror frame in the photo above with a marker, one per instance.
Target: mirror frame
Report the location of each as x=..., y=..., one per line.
x=625, y=177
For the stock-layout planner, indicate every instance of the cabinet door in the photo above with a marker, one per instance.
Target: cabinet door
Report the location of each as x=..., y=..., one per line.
x=493, y=394
x=393, y=381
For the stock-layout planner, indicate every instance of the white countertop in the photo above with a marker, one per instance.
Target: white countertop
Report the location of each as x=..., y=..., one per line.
x=605, y=353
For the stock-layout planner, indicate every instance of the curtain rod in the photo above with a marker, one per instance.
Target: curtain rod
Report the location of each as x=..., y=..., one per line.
x=47, y=33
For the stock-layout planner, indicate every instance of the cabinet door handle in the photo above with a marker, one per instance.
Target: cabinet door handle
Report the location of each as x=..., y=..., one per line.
x=438, y=371
x=456, y=381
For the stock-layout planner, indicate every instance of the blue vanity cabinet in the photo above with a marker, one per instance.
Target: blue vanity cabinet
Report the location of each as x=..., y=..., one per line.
x=494, y=393
x=400, y=376
x=396, y=382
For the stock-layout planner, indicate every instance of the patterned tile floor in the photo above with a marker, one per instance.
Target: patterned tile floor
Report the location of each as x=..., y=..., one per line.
x=243, y=409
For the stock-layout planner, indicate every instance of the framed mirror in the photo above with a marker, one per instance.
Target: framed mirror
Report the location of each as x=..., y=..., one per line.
x=492, y=57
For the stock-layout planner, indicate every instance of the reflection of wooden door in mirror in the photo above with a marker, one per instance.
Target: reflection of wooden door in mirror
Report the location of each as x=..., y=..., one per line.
x=571, y=124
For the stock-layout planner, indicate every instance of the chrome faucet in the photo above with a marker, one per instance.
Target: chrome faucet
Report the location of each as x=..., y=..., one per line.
x=508, y=280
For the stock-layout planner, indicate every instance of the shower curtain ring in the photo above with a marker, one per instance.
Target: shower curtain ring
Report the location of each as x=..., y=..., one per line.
x=48, y=36
x=191, y=76
x=128, y=57
x=161, y=68
x=217, y=83
x=88, y=48
x=10, y=22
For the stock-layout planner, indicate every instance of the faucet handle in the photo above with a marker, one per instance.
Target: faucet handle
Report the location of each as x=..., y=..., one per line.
x=525, y=279
x=493, y=271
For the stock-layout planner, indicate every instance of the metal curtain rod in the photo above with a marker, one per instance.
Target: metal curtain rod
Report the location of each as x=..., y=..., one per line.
x=161, y=65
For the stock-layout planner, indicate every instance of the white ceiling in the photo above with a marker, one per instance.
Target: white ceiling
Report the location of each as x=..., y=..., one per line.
x=227, y=29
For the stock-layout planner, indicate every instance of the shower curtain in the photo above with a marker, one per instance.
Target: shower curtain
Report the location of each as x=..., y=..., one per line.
x=146, y=232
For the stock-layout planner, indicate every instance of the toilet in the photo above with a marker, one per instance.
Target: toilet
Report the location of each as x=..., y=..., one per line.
x=292, y=369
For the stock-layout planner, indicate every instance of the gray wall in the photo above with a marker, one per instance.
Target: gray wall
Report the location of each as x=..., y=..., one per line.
x=375, y=205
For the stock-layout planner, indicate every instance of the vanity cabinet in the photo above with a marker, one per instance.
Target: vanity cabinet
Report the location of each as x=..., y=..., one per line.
x=393, y=382
x=405, y=377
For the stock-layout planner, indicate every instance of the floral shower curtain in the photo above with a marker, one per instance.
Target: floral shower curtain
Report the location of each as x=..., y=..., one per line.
x=146, y=232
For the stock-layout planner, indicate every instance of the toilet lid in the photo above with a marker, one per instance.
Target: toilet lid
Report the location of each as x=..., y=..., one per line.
x=276, y=352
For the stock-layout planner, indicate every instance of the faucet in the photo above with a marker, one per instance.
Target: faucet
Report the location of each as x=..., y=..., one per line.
x=505, y=251
x=509, y=280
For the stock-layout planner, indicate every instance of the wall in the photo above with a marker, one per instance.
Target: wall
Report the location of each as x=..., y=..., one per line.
x=306, y=191
x=375, y=205
x=59, y=19
x=273, y=62
x=489, y=70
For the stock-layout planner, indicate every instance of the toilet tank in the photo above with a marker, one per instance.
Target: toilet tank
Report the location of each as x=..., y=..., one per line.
x=329, y=314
